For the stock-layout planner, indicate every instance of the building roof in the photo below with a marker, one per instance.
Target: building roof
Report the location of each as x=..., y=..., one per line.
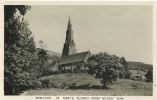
x=74, y=58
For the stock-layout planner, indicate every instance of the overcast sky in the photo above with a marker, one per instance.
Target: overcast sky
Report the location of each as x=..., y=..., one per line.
x=121, y=30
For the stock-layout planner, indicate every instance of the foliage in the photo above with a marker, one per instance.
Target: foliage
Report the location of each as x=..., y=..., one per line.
x=149, y=76
x=105, y=67
x=46, y=81
x=36, y=84
x=42, y=61
x=42, y=57
x=128, y=75
x=22, y=61
x=124, y=62
x=121, y=74
x=10, y=10
x=19, y=48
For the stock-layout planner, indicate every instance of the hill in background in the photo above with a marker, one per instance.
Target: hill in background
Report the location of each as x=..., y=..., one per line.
x=139, y=66
x=52, y=53
x=54, y=56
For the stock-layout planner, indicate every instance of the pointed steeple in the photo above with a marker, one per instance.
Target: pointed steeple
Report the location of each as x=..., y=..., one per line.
x=69, y=25
x=69, y=45
x=69, y=19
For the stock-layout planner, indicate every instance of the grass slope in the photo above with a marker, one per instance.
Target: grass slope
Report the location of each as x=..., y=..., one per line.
x=123, y=87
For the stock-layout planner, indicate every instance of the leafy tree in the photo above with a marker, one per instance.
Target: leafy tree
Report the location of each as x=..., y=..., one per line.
x=124, y=62
x=42, y=57
x=19, y=48
x=10, y=10
x=105, y=67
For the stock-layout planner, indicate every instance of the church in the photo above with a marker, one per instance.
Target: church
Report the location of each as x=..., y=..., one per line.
x=70, y=57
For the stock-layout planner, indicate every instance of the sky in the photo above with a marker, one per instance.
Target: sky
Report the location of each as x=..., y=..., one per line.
x=125, y=31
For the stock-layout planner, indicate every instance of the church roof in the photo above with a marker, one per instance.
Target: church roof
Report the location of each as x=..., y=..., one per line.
x=78, y=57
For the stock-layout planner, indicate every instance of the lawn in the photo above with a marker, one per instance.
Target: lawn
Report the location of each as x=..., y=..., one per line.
x=123, y=87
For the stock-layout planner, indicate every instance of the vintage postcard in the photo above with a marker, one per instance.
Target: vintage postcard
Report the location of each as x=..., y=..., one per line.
x=78, y=50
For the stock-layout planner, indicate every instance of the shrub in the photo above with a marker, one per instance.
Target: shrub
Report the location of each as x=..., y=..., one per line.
x=87, y=86
x=44, y=86
x=49, y=86
x=37, y=84
x=121, y=75
x=46, y=81
x=73, y=84
x=52, y=85
x=23, y=86
x=64, y=84
x=149, y=76
x=128, y=75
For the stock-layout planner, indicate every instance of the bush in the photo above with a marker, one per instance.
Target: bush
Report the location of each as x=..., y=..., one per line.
x=37, y=84
x=46, y=81
x=72, y=86
x=149, y=76
x=52, y=85
x=64, y=85
x=44, y=86
x=128, y=75
x=87, y=86
x=121, y=75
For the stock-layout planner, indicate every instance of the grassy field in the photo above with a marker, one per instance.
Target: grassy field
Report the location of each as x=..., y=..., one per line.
x=123, y=87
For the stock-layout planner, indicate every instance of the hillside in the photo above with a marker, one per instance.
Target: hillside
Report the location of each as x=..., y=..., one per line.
x=53, y=56
x=139, y=66
x=52, y=53
x=81, y=84
x=132, y=65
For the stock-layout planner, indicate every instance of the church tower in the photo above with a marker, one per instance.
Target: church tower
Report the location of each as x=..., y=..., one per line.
x=69, y=47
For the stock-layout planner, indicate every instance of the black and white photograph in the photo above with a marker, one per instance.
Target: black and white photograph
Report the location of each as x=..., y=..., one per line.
x=78, y=50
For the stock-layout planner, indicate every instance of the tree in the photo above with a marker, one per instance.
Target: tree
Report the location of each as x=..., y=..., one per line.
x=10, y=10
x=105, y=67
x=42, y=57
x=19, y=47
x=124, y=62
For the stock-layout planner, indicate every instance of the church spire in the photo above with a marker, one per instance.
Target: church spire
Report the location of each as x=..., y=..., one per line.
x=69, y=25
x=69, y=47
x=69, y=19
